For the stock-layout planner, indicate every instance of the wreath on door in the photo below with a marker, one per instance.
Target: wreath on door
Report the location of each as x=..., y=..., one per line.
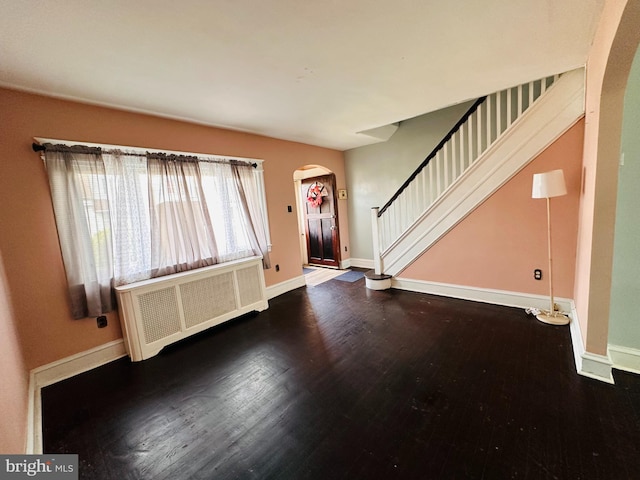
x=315, y=193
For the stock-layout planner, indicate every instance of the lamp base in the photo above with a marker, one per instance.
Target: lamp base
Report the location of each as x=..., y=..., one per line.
x=555, y=318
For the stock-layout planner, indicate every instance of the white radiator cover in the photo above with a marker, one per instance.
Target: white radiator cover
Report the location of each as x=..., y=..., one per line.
x=155, y=313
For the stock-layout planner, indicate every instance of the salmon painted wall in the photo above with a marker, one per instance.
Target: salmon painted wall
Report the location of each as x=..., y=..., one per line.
x=15, y=383
x=28, y=239
x=501, y=242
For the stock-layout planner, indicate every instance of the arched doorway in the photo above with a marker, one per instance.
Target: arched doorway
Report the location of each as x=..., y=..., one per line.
x=624, y=331
x=317, y=209
x=610, y=59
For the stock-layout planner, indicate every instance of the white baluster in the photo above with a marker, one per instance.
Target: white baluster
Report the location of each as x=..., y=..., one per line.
x=509, y=94
x=409, y=204
x=452, y=158
x=391, y=224
x=407, y=208
x=425, y=189
x=519, y=101
x=387, y=229
x=498, y=114
x=438, y=172
x=413, y=200
x=394, y=219
x=416, y=197
x=381, y=228
x=470, y=136
x=406, y=196
x=406, y=217
x=388, y=226
x=417, y=204
x=426, y=193
x=531, y=92
x=401, y=215
x=398, y=223
x=445, y=151
x=479, y=129
x=461, y=153
x=489, y=105
x=419, y=189
x=432, y=191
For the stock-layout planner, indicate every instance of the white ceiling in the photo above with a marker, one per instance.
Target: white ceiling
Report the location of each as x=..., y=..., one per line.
x=316, y=72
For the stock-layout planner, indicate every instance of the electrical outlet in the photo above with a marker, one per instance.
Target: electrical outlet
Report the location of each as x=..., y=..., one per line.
x=101, y=321
x=537, y=274
x=277, y=267
x=345, y=248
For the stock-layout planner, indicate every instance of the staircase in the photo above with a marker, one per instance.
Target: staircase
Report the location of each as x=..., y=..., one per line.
x=498, y=136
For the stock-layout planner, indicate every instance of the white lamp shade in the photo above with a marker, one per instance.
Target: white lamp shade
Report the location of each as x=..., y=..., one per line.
x=548, y=184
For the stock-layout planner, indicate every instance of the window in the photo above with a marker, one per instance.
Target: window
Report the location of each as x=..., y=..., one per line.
x=125, y=216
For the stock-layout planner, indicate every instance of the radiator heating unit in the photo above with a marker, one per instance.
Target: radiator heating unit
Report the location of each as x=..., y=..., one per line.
x=155, y=313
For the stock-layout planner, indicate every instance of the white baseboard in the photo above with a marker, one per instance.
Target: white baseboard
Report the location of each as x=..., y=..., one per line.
x=576, y=338
x=345, y=264
x=587, y=364
x=597, y=366
x=484, y=295
x=625, y=358
x=78, y=363
x=362, y=262
x=60, y=370
x=286, y=286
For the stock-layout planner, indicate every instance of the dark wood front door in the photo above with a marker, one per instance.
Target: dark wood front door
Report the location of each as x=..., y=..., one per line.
x=321, y=220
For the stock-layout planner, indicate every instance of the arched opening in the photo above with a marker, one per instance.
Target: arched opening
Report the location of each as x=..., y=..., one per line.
x=624, y=331
x=608, y=67
x=317, y=215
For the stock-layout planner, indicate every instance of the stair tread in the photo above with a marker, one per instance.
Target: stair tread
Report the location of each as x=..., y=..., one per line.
x=372, y=275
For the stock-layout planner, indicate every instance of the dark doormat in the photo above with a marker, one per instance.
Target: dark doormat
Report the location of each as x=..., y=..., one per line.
x=350, y=276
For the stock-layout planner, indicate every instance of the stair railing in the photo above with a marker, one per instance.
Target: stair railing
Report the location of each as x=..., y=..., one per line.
x=477, y=130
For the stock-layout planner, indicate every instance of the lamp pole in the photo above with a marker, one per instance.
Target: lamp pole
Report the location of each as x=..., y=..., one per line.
x=552, y=307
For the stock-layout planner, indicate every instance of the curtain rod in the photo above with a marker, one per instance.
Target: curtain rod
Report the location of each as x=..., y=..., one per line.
x=42, y=148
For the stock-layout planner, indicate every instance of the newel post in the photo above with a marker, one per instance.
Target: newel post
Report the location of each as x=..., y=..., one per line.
x=377, y=261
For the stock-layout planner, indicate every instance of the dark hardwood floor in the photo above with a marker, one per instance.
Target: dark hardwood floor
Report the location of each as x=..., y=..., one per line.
x=336, y=382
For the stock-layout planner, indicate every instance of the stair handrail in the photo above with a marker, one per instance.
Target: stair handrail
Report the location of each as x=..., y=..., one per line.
x=434, y=152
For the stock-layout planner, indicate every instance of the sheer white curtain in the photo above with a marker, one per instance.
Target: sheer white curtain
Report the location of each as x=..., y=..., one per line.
x=255, y=221
x=129, y=215
x=79, y=192
x=182, y=235
x=225, y=185
x=124, y=217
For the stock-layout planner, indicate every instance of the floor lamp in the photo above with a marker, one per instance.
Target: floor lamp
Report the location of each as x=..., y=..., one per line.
x=548, y=185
